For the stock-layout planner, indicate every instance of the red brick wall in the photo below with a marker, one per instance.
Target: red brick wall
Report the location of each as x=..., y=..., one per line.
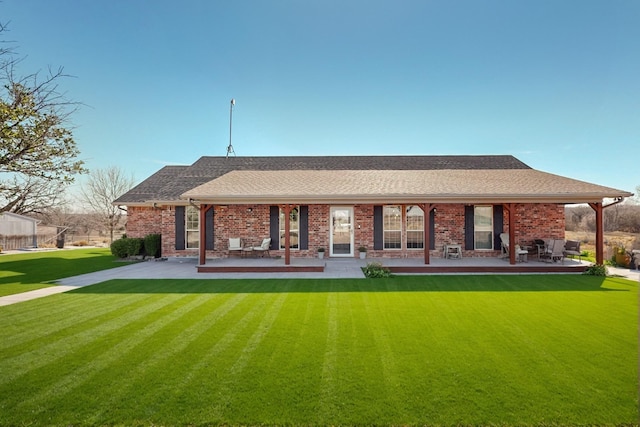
x=251, y=223
x=539, y=222
x=143, y=221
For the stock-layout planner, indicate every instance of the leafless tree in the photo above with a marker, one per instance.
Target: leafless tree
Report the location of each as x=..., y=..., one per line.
x=99, y=192
x=30, y=195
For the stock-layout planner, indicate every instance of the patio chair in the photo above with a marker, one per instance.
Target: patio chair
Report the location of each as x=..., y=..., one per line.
x=572, y=248
x=235, y=246
x=504, y=245
x=555, y=251
x=263, y=248
x=521, y=254
x=547, y=249
x=539, y=246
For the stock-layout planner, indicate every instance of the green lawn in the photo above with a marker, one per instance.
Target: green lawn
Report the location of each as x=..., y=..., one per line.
x=34, y=270
x=434, y=350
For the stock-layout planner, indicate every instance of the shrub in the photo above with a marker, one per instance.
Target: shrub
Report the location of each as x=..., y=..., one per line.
x=128, y=247
x=135, y=246
x=596, y=270
x=375, y=270
x=119, y=248
x=153, y=245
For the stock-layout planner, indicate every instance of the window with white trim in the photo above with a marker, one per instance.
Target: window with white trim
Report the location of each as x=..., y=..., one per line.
x=392, y=227
x=294, y=228
x=415, y=227
x=192, y=227
x=483, y=227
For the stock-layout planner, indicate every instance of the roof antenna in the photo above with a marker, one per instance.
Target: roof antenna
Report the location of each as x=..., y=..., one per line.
x=230, y=147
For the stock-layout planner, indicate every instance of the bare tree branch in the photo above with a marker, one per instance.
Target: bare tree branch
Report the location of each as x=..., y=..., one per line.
x=103, y=187
x=38, y=155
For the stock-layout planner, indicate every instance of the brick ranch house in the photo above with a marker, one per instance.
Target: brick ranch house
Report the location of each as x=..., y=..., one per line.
x=390, y=205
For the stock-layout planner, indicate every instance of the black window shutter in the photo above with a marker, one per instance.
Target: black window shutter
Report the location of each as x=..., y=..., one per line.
x=432, y=229
x=498, y=224
x=210, y=235
x=378, y=232
x=274, y=227
x=180, y=243
x=304, y=227
x=468, y=228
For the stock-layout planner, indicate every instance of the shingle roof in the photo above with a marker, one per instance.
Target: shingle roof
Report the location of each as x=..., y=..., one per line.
x=152, y=187
x=169, y=183
x=406, y=186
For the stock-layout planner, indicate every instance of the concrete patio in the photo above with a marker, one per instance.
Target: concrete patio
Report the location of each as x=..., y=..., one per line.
x=333, y=268
x=396, y=265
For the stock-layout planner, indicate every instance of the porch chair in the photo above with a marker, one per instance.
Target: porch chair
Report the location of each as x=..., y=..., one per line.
x=235, y=245
x=521, y=254
x=572, y=248
x=547, y=250
x=555, y=251
x=540, y=247
x=504, y=245
x=264, y=247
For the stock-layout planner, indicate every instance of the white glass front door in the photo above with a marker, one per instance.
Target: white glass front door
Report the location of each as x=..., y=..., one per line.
x=341, y=236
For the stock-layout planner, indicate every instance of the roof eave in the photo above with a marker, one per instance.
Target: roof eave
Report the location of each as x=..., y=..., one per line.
x=153, y=203
x=398, y=198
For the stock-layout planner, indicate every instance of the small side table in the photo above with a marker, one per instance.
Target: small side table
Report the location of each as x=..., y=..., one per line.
x=246, y=252
x=522, y=253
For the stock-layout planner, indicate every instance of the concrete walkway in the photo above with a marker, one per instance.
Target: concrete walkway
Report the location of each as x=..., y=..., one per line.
x=186, y=269
x=180, y=269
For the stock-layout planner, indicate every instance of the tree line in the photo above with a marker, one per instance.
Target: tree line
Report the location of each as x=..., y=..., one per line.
x=623, y=217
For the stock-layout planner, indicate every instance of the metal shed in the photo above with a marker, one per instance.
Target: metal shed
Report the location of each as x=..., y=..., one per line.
x=17, y=231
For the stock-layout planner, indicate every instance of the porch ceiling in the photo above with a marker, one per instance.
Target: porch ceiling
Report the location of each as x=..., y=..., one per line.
x=388, y=186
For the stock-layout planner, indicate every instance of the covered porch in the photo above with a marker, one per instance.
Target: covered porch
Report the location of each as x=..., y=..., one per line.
x=429, y=190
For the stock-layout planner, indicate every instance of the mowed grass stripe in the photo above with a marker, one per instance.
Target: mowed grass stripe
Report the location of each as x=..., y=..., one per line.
x=233, y=378
x=284, y=373
x=47, y=355
x=464, y=350
x=199, y=375
x=104, y=352
x=56, y=326
x=380, y=323
x=326, y=405
x=35, y=270
x=156, y=358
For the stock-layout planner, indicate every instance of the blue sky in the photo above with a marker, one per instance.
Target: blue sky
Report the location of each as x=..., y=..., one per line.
x=554, y=83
